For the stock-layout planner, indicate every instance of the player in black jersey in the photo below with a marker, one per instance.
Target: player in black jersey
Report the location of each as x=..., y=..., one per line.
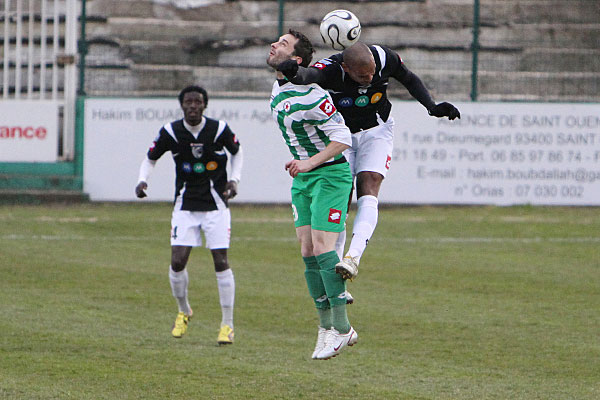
x=357, y=80
x=199, y=146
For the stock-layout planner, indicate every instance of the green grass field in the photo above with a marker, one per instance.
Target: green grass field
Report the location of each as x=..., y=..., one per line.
x=451, y=303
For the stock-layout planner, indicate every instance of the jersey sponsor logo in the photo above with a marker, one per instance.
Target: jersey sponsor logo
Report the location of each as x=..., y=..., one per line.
x=187, y=167
x=197, y=149
x=346, y=102
x=199, y=168
x=335, y=216
x=376, y=97
x=363, y=90
x=287, y=106
x=361, y=101
x=211, y=166
x=327, y=107
x=388, y=162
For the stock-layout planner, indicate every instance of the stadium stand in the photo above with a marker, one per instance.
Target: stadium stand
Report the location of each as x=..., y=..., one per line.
x=542, y=50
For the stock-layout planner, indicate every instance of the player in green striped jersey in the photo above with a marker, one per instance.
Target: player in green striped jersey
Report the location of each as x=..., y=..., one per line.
x=316, y=136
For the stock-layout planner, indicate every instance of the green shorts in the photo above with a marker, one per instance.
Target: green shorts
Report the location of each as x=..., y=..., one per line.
x=320, y=197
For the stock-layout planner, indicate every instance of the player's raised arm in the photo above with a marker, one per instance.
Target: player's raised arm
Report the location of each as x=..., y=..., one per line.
x=417, y=89
x=299, y=75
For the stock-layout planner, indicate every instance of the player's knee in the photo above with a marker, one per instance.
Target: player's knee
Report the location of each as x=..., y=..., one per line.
x=177, y=264
x=221, y=265
x=368, y=184
x=306, y=249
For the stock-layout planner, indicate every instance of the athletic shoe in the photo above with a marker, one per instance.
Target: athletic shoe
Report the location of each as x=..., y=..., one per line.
x=335, y=342
x=225, y=335
x=349, y=298
x=320, y=342
x=180, y=325
x=348, y=267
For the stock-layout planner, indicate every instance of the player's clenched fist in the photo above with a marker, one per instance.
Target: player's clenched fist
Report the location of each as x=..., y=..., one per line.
x=140, y=189
x=445, y=110
x=289, y=68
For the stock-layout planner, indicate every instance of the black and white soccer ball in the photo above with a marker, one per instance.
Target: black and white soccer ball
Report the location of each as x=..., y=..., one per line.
x=340, y=29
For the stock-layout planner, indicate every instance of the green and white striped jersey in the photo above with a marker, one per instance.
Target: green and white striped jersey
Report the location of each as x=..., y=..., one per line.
x=307, y=118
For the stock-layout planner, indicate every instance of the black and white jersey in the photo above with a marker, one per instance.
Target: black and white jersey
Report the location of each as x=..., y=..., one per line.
x=200, y=162
x=361, y=105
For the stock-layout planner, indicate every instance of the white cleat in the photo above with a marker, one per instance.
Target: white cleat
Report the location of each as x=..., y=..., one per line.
x=348, y=267
x=335, y=342
x=349, y=298
x=320, y=342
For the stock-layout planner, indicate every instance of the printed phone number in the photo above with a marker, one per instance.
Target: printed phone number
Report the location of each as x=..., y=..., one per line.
x=496, y=156
x=549, y=191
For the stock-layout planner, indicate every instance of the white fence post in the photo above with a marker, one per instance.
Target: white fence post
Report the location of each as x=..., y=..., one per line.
x=26, y=64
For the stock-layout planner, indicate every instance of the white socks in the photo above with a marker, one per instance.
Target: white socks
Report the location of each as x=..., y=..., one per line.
x=340, y=243
x=364, y=225
x=179, y=287
x=226, y=284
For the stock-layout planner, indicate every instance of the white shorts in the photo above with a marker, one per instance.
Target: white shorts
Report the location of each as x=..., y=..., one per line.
x=186, y=227
x=372, y=149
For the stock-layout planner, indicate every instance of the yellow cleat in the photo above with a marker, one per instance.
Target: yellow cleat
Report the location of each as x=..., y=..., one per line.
x=225, y=335
x=181, y=324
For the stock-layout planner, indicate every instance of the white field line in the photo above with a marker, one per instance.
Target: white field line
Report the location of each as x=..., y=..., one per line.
x=389, y=239
x=517, y=219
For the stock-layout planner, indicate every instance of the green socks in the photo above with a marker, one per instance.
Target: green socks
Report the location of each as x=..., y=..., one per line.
x=335, y=288
x=334, y=284
x=340, y=319
x=316, y=289
x=327, y=290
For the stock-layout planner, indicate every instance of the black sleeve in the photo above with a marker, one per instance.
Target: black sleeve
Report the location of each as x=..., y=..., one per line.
x=162, y=143
x=308, y=75
x=411, y=82
x=229, y=140
x=414, y=85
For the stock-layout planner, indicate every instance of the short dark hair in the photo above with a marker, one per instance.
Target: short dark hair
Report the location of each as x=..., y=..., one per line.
x=303, y=47
x=193, y=88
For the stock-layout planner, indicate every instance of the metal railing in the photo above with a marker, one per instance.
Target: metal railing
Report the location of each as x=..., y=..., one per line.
x=39, y=53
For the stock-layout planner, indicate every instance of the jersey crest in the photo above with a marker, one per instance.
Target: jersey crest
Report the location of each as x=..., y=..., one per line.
x=197, y=149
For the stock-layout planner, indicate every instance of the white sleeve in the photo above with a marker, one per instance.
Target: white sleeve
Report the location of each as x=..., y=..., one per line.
x=145, y=169
x=237, y=160
x=335, y=127
x=337, y=131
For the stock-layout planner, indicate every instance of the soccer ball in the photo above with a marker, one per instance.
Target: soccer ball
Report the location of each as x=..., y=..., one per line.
x=340, y=29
